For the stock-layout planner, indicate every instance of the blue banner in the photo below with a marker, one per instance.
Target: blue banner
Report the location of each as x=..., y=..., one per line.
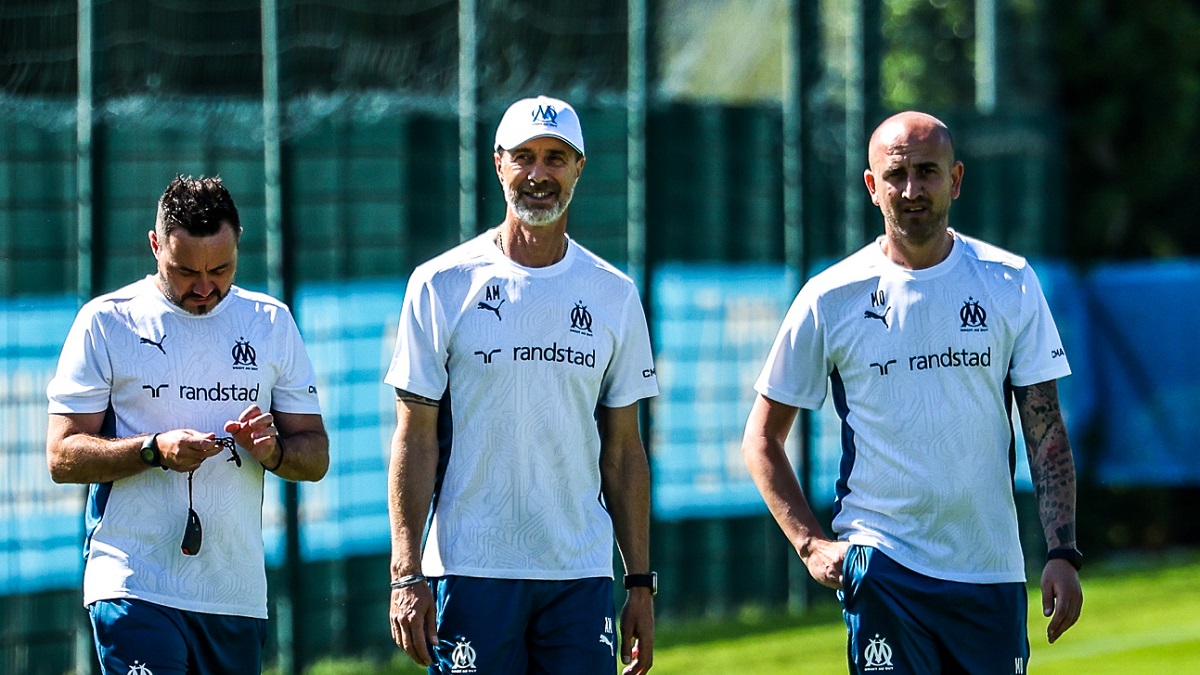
x=1125, y=328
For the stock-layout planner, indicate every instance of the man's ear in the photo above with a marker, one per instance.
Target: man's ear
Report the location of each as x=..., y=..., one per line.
x=869, y=179
x=956, y=176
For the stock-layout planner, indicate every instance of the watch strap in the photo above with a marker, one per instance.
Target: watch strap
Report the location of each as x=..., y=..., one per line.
x=642, y=581
x=150, y=453
x=1069, y=553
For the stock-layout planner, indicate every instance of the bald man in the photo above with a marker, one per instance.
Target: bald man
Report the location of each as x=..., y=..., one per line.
x=926, y=336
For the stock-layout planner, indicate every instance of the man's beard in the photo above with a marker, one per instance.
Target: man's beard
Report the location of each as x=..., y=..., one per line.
x=177, y=300
x=931, y=227
x=537, y=217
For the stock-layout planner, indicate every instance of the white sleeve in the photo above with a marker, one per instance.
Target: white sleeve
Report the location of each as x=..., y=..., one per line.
x=797, y=366
x=419, y=361
x=82, y=382
x=296, y=389
x=1038, y=354
x=630, y=376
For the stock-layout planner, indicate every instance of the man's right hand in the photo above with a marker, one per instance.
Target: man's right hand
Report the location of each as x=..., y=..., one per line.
x=824, y=561
x=185, y=450
x=414, y=621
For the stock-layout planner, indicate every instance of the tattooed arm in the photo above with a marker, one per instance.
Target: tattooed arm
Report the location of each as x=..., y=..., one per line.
x=1052, y=468
x=1050, y=462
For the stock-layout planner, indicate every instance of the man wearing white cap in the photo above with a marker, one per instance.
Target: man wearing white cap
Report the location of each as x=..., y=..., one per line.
x=520, y=360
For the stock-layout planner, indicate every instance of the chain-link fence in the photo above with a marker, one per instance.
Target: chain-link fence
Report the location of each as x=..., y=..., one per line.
x=725, y=138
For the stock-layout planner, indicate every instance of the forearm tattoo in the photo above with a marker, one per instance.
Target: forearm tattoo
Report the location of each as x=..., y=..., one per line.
x=409, y=397
x=1050, y=462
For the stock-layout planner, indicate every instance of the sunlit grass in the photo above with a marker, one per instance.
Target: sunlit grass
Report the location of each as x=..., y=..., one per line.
x=1139, y=616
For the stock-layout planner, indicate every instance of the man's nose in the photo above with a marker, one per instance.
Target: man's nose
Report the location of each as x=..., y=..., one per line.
x=537, y=171
x=203, y=286
x=913, y=188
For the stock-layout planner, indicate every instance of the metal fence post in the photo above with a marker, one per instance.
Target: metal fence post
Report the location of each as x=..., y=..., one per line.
x=468, y=114
x=799, y=45
x=85, y=266
x=278, y=285
x=84, y=114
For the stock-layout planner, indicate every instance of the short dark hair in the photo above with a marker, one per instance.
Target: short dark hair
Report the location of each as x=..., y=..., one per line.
x=200, y=206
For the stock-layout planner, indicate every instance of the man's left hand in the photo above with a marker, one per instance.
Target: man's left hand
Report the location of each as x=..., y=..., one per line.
x=255, y=431
x=637, y=632
x=1062, y=597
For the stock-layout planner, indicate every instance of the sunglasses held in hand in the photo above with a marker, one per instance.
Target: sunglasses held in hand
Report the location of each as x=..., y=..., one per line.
x=193, y=532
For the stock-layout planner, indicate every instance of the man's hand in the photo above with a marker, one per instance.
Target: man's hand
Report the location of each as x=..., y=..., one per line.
x=824, y=561
x=185, y=450
x=637, y=632
x=414, y=621
x=1062, y=597
x=255, y=431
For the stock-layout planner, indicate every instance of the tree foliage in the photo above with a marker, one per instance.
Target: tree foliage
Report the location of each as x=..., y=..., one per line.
x=927, y=59
x=1130, y=83
x=1123, y=76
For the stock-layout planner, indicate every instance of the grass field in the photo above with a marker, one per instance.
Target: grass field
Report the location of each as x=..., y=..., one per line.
x=1139, y=617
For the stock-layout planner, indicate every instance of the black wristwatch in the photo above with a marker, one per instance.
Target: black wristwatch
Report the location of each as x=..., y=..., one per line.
x=642, y=581
x=150, y=452
x=1068, y=553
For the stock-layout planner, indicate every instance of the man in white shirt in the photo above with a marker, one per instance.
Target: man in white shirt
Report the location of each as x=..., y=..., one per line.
x=520, y=361
x=925, y=336
x=173, y=396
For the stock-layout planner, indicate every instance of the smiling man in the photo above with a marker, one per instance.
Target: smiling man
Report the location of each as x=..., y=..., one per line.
x=158, y=386
x=925, y=338
x=520, y=360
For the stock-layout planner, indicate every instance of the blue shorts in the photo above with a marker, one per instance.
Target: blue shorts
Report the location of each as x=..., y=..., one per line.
x=903, y=623
x=133, y=634
x=516, y=626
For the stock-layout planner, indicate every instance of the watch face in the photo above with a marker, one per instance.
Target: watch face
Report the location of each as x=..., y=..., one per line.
x=150, y=452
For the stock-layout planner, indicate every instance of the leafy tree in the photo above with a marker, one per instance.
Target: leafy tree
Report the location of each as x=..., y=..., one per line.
x=1123, y=75
x=1130, y=83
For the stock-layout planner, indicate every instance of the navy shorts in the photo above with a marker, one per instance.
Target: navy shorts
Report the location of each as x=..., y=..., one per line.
x=135, y=636
x=517, y=626
x=903, y=623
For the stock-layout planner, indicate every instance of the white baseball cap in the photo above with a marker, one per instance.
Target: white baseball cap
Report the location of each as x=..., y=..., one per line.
x=537, y=117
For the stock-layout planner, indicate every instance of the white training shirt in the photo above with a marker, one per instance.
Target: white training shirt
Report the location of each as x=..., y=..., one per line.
x=918, y=361
x=155, y=368
x=526, y=355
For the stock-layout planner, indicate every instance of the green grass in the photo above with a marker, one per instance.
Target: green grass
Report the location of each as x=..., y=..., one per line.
x=1138, y=617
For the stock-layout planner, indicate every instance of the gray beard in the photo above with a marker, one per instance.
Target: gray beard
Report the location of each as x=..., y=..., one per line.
x=537, y=217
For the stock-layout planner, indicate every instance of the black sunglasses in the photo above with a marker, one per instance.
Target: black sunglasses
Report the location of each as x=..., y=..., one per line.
x=193, y=532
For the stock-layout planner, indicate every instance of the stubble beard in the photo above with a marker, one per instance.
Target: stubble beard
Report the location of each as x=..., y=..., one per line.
x=179, y=301
x=921, y=232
